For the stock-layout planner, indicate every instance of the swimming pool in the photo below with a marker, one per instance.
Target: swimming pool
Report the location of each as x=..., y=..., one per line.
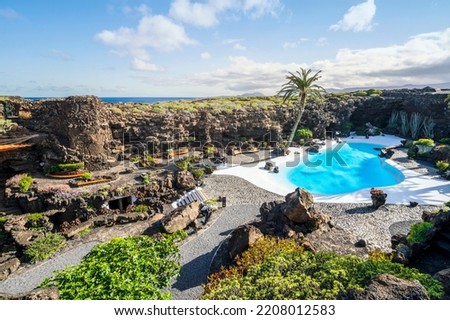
x=347, y=168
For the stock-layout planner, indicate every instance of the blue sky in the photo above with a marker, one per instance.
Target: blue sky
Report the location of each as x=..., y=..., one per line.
x=217, y=47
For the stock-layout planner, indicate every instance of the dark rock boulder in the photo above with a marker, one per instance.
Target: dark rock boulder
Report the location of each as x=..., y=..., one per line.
x=242, y=238
x=185, y=180
x=182, y=217
x=298, y=207
x=378, y=197
x=444, y=277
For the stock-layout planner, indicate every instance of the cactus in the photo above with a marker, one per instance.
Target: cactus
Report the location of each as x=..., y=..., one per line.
x=415, y=124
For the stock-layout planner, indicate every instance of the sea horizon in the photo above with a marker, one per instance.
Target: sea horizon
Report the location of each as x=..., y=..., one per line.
x=125, y=99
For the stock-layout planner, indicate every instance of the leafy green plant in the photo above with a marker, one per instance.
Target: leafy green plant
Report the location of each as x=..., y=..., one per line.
x=84, y=232
x=3, y=220
x=304, y=133
x=34, y=217
x=418, y=232
x=25, y=183
x=198, y=173
x=67, y=167
x=280, y=269
x=183, y=165
x=445, y=140
x=424, y=142
x=86, y=176
x=442, y=166
x=44, y=247
x=146, y=179
x=133, y=268
x=141, y=208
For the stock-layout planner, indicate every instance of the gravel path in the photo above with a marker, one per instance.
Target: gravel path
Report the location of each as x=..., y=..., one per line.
x=30, y=278
x=196, y=255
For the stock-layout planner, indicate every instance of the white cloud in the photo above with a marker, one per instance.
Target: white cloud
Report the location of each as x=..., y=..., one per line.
x=259, y=8
x=8, y=13
x=358, y=18
x=239, y=47
x=205, y=14
x=322, y=41
x=198, y=14
x=153, y=31
x=205, y=56
x=244, y=74
x=423, y=58
x=294, y=44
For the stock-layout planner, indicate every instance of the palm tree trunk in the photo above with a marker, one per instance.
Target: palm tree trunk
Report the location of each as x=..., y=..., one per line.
x=297, y=121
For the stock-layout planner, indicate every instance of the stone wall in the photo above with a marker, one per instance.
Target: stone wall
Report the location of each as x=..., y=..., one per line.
x=86, y=129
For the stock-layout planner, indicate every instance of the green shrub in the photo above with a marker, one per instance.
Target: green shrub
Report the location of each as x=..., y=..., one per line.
x=42, y=248
x=146, y=179
x=133, y=268
x=3, y=220
x=116, y=110
x=445, y=140
x=141, y=208
x=67, y=167
x=424, y=142
x=86, y=176
x=347, y=126
x=198, y=173
x=418, y=232
x=442, y=165
x=25, y=183
x=281, y=270
x=35, y=217
x=304, y=133
x=183, y=165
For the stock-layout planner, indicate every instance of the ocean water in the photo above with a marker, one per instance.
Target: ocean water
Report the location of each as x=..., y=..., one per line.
x=354, y=167
x=127, y=99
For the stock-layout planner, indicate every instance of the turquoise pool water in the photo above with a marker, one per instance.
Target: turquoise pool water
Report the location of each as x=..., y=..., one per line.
x=353, y=167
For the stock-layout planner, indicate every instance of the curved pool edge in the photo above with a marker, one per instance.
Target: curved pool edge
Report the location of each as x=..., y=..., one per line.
x=417, y=187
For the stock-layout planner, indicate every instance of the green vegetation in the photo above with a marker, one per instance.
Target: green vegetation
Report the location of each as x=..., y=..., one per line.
x=86, y=176
x=35, y=217
x=183, y=165
x=304, y=133
x=445, y=140
x=303, y=87
x=67, y=167
x=116, y=110
x=44, y=247
x=145, y=179
x=279, y=269
x=133, y=268
x=25, y=183
x=84, y=232
x=5, y=125
x=141, y=208
x=442, y=166
x=418, y=232
x=424, y=142
x=198, y=173
x=3, y=220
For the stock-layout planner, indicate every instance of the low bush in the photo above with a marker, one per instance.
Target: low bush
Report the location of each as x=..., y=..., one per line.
x=34, y=217
x=25, y=183
x=67, y=167
x=133, y=268
x=183, y=165
x=304, y=133
x=198, y=173
x=3, y=220
x=424, y=142
x=418, y=232
x=445, y=140
x=275, y=269
x=142, y=208
x=44, y=247
x=442, y=166
x=86, y=176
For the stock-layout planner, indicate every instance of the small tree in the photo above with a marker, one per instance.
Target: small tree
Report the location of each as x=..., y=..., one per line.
x=301, y=85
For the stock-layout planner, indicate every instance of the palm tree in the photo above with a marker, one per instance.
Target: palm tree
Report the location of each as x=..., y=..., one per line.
x=301, y=85
x=448, y=100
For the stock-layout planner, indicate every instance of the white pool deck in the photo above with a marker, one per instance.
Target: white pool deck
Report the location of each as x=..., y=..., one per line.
x=418, y=187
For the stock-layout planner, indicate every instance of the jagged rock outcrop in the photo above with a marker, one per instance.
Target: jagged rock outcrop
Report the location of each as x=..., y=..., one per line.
x=242, y=238
x=388, y=287
x=51, y=293
x=185, y=180
x=181, y=218
x=295, y=215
